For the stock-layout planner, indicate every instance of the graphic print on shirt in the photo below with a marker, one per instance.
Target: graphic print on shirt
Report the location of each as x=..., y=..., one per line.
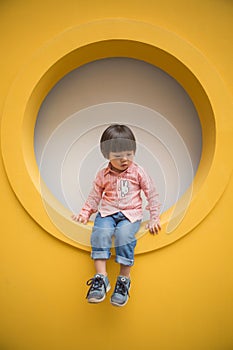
x=124, y=187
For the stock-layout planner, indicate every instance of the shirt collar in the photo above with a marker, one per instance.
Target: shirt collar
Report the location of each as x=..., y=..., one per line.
x=108, y=169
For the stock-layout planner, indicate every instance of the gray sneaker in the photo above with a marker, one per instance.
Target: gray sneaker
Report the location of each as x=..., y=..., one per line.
x=120, y=295
x=99, y=286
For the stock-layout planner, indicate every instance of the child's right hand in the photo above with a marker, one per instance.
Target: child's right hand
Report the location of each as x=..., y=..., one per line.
x=79, y=218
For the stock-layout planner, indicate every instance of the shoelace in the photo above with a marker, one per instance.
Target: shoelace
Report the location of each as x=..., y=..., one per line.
x=121, y=288
x=95, y=283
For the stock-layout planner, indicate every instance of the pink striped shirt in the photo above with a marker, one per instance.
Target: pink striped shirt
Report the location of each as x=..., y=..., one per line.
x=113, y=192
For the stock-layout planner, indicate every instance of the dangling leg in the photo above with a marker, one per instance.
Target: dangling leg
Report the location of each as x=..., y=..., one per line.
x=101, y=241
x=125, y=243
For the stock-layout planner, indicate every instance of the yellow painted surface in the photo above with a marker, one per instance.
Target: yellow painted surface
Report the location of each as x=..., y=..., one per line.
x=181, y=296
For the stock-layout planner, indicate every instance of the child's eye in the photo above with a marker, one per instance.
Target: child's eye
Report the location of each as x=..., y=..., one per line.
x=128, y=155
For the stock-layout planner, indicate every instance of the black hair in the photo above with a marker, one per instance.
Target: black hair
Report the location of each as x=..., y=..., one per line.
x=117, y=138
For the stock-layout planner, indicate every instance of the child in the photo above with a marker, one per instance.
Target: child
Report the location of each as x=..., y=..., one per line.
x=116, y=197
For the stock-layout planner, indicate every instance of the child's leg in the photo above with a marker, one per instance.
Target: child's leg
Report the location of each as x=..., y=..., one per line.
x=125, y=243
x=101, y=241
x=125, y=270
x=100, y=266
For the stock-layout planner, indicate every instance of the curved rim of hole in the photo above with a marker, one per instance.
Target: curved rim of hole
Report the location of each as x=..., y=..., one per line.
x=52, y=63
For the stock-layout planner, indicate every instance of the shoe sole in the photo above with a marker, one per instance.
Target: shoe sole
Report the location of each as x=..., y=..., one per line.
x=119, y=305
x=96, y=301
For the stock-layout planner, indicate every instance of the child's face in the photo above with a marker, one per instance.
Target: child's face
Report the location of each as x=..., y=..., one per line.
x=120, y=161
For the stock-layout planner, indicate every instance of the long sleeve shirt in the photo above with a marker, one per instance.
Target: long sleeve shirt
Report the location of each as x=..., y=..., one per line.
x=113, y=192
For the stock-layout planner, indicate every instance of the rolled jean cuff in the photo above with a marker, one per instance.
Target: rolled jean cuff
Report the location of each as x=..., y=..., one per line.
x=124, y=261
x=95, y=254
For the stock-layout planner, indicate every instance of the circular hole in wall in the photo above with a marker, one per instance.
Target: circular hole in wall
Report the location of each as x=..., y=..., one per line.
x=117, y=90
x=95, y=41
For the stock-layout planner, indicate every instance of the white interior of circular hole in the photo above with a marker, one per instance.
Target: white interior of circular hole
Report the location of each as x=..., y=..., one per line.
x=117, y=90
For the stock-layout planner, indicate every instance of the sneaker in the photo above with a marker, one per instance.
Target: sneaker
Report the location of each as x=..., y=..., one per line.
x=120, y=295
x=99, y=286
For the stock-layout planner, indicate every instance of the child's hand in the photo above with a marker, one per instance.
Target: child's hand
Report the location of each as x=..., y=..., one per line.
x=153, y=227
x=79, y=218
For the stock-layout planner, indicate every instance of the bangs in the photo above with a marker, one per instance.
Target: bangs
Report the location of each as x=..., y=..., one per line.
x=117, y=145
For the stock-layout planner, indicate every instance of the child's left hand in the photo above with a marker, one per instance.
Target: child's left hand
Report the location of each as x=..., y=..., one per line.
x=153, y=227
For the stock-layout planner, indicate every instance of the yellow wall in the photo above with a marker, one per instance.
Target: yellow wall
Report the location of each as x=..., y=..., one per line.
x=181, y=295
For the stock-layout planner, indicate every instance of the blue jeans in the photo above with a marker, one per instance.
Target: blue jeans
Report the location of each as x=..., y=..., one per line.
x=116, y=227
